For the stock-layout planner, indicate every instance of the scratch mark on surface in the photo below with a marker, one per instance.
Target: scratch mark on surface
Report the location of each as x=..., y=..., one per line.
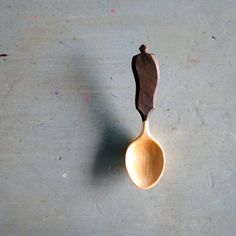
x=190, y=60
x=176, y=126
x=200, y=117
x=231, y=170
x=97, y=208
x=212, y=181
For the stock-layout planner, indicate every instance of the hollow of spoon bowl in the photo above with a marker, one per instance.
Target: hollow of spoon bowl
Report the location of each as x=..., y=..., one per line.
x=145, y=162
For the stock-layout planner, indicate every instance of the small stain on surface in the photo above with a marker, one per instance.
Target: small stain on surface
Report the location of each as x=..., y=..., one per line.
x=111, y=78
x=194, y=61
x=56, y=92
x=113, y=11
x=3, y=55
x=88, y=98
x=60, y=158
x=213, y=37
x=173, y=128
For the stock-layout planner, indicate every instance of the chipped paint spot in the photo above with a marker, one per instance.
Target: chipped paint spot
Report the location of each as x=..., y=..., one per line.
x=64, y=175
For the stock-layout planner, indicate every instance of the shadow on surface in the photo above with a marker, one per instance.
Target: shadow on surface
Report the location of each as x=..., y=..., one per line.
x=109, y=154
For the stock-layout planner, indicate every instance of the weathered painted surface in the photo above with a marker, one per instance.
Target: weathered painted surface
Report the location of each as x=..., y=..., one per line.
x=65, y=88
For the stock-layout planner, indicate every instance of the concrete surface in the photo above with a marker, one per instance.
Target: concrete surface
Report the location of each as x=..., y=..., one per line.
x=67, y=115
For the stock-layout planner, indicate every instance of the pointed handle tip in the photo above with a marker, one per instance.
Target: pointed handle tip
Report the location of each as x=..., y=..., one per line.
x=143, y=48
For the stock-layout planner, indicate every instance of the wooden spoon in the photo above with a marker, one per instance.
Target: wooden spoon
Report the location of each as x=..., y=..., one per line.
x=144, y=157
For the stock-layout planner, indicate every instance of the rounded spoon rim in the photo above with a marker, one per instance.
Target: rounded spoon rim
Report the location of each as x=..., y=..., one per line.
x=146, y=134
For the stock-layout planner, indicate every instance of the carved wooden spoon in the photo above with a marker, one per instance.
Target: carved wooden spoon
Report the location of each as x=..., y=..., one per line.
x=145, y=157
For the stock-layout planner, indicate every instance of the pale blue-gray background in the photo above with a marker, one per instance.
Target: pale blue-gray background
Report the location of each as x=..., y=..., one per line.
x=67, y=114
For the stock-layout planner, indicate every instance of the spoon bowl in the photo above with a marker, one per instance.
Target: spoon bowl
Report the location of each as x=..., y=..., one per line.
x=145, y=160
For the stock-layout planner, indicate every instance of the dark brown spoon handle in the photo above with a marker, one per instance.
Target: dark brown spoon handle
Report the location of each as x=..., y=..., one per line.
x=146, y=74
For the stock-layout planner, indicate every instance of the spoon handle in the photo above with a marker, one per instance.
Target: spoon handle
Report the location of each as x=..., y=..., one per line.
x=146, y=73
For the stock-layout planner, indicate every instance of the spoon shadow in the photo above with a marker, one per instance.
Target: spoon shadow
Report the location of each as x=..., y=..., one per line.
x=109, y=154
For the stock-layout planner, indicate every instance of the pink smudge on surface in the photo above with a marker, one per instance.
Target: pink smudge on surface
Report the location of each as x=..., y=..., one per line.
x=113, y=11
x=194, y=61
x=87, y=98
